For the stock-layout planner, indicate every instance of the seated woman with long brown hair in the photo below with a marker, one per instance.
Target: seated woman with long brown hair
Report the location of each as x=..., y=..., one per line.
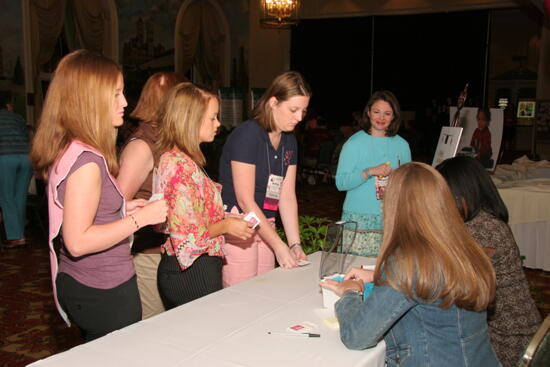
x=432, y=281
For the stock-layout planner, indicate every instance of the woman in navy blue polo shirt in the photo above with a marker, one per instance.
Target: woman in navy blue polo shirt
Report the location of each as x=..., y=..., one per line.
x=258, y=174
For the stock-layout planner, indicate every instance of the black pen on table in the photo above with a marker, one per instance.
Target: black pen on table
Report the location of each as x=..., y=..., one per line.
x=303, y=335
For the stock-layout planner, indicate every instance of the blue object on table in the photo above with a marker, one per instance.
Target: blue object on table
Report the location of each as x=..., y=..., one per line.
x=367, y=287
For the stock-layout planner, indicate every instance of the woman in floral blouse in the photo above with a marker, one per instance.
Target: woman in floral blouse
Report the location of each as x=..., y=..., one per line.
x=192, y=256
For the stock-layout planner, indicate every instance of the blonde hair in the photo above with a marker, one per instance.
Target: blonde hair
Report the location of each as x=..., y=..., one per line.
x=152, y=93
x=78, y=105
x=285, y=86
x=427, y=252
x=180, y=118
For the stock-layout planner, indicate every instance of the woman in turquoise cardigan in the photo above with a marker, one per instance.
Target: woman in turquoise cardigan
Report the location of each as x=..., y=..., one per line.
x=365, y=164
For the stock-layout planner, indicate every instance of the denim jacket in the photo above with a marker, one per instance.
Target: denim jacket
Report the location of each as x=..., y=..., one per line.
x=416, y=333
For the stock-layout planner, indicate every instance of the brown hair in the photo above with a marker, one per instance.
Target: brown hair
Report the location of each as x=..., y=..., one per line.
x=283, y=87
x=427, y=252
x=151, y=96
x=78, y=105
x=389, y=97
x=180, y=117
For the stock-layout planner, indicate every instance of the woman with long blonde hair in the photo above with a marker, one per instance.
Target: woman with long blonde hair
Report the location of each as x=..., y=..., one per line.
x=74, y=150
x=433, y=282
x=136, y=180
x=191, y=260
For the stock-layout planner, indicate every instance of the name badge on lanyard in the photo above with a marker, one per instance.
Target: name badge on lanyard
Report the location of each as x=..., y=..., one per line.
x=273, y=192
x=274, y=186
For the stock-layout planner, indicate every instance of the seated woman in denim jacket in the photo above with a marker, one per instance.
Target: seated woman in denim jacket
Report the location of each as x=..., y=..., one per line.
x=433, y=283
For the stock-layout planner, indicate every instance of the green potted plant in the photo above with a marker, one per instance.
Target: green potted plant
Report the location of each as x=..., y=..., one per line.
x=312, y=232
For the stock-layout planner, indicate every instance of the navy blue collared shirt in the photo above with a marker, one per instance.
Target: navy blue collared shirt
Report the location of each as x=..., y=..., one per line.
x=249, y=143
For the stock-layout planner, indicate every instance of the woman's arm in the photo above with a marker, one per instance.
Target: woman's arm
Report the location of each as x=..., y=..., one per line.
x=288, y=208
x=244, y=177
x=190, y=223
x=364, y=323
x=349, y=173
x=82, y=196
x=136, y=161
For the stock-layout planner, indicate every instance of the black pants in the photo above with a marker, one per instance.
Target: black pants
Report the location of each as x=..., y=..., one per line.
x=97, y=312
x=177, y=287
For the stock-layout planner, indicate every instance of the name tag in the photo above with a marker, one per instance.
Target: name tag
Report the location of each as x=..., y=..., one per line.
x=273, y=192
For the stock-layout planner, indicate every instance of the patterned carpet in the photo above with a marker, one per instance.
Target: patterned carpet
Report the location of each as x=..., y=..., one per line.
x=31, y=329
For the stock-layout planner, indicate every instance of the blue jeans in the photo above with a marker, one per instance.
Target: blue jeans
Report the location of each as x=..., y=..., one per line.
x=15, y=175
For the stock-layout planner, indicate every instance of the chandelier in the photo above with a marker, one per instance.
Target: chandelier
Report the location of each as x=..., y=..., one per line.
x=279, y=13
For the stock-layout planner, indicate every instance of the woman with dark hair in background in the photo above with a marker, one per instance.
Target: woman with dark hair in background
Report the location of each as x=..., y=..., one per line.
x=135, y=178
x=258, y=174
x=366, y=161
x=514, y=318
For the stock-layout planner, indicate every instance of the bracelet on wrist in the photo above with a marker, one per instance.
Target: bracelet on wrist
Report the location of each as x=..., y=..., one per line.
x=294, y=245
x=134, y=220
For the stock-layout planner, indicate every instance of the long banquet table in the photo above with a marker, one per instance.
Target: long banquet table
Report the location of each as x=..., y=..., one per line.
x=230, y=328
x=528, y=203
x=525, y=188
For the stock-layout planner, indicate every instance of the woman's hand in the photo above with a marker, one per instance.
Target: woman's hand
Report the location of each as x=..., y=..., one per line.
x=365, y=276
x=285, y=259
x=234, y=225
x=298, y=253
x=380, y=170
x=152, y=213
x=133, y=206
x=342, y=287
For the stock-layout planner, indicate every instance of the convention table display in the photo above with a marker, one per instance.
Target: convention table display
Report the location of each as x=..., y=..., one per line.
x=230, y=328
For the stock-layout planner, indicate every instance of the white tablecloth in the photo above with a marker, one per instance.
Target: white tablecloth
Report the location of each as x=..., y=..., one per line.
x=528, y=203
x=229, y=328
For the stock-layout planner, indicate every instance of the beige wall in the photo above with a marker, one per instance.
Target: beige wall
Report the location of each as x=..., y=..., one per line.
x=268, y=51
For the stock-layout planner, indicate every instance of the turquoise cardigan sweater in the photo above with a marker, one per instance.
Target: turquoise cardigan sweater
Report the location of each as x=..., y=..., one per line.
x=360, y=152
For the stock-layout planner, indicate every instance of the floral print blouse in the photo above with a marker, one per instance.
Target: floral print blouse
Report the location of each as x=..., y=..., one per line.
x=194, y=203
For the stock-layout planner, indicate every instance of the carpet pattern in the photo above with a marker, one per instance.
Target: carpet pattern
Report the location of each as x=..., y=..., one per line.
x=31, y=329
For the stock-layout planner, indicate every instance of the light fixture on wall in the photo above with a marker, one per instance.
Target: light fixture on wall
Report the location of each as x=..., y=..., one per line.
x=279, y=13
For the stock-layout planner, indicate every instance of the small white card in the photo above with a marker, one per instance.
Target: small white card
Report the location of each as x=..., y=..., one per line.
x=303, y=327
x=253, y=219
x=303, y=262
x=157, y=196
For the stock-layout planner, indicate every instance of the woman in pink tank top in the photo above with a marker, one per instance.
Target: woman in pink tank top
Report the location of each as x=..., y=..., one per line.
x=74, y=150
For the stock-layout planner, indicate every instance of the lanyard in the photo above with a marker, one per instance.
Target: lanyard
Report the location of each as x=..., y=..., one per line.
x=282, y=158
